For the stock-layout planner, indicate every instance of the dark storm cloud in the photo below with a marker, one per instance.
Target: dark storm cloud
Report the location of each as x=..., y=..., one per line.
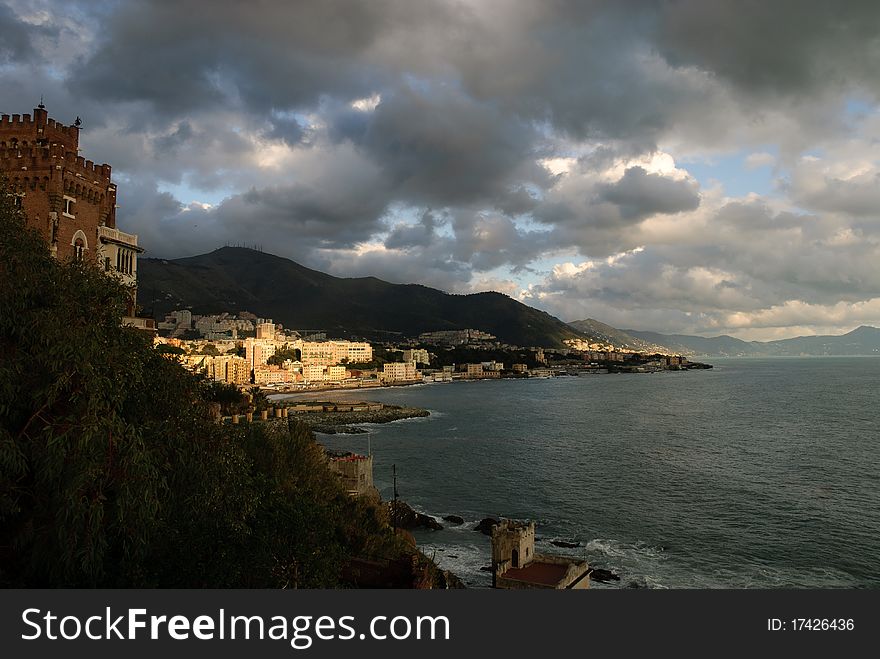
x=325, y=129
x=440, y=146
x=184, y=55
x=779, y=47
x=17, y=37
x=639, y=194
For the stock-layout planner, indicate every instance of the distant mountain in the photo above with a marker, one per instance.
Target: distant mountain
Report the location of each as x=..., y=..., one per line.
x=698, y=345
x=602, y=333
x=864, y=340
x=238, y=279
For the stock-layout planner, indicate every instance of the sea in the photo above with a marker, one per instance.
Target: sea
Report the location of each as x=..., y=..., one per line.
x=759, y=473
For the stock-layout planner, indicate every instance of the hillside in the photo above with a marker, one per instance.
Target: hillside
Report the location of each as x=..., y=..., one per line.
x=861, y=341
x=602, y=333
x=698, y=345
x=238, y=279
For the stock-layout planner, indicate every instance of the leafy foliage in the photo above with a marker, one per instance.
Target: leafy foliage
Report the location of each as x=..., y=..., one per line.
x=284, y=353
x=112, y=471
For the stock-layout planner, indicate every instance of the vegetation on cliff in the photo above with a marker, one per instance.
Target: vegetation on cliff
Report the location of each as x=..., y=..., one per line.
x=113, y=473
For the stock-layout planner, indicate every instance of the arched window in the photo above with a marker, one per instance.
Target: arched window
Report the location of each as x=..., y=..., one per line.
x=80, y=245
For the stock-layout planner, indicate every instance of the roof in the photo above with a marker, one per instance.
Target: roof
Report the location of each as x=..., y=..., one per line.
x=545, y=574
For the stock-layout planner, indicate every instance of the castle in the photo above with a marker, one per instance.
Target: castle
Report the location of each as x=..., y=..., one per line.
x=71, y=201
x=516, y=566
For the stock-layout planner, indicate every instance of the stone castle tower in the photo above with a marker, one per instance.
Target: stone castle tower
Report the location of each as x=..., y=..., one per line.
x=70, y=200
x=513, y=546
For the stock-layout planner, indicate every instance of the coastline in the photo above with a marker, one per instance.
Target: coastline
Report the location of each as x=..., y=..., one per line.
x=331, y=417
x=567, y=370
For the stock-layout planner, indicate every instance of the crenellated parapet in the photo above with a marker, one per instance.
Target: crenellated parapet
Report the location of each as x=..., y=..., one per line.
x=53, y=157
x=27, y=130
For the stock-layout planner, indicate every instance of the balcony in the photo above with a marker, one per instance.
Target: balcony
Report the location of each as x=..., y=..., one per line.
x=117, y=237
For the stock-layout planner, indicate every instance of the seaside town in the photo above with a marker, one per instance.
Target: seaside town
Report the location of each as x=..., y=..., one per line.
x=243, y=349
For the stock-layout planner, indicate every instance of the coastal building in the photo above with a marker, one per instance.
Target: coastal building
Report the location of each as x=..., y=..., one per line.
x=399, y=372
x=267, y=374
x=455, y=337
x=314, y=372
x=515, y=565
x=177, y=321
x=419, y=356
x=266, y=331
x=473, y=370
x=520, y=368
x=71, y=201
x=231, y=369
x=330, y=353
x=355, y=472
x=258, y=351
x=336, y=373
x=221, y=325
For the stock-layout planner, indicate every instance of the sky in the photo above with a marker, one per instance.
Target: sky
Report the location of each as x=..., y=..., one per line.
x=684, y=166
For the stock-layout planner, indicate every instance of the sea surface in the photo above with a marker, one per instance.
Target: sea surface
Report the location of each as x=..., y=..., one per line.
x=761, y=473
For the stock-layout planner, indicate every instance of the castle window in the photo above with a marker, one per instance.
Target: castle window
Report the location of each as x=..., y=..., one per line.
x=107, y=263
x=80, y=245
x=68, y=206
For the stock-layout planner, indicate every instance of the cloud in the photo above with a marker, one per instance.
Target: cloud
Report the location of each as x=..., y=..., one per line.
x=18, y=36
x=639, y=194
x=554, y=148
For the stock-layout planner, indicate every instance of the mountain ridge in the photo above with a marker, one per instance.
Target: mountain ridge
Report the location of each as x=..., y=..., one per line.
x=863, y=340
x=237, y=279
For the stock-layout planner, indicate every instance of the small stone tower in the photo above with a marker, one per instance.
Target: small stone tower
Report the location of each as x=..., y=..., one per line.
x=513, y=546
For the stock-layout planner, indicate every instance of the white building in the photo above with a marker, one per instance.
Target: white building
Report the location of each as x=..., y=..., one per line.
x=266, y=331
x=399, y=372
x=336, y=373
x=258, y=351
x=314, y=372
x=419, y=356
x=330, y=353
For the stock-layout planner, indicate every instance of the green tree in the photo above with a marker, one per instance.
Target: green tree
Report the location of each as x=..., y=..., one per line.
x=286, y=352
x=112, y=471
x=79, y=486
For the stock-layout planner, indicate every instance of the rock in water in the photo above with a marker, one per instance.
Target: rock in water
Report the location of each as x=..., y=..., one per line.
x=565, y=544
x=485, y=525
x=454, y=519
x=603, y=576
x=404, y=517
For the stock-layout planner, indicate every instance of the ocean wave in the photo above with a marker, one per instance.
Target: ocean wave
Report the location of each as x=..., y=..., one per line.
x=617, y=549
